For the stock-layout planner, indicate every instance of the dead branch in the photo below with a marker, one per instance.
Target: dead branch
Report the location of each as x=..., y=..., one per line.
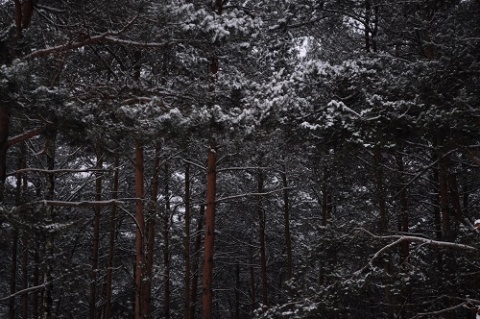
x=24, y=136
x=81, y=204
x=252, y=194
x=409, y=238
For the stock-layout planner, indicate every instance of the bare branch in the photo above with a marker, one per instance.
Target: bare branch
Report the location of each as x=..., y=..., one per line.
x=82, y=204
x=401, y=238
x=26, y=290
x=63, y=170
x=24, y=136
x=252, y=194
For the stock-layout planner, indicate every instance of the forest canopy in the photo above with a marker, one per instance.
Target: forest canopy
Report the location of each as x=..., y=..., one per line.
x=239, y=159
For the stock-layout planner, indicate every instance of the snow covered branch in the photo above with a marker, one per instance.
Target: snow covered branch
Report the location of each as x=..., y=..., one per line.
x=408, y=238
x=24, y=136
x=252, y=194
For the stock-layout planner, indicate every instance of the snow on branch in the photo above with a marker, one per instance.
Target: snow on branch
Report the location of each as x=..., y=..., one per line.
x=81, y=204
x=64, y=170
x=24, y=136
x=408, y=238
x=252, y=194
x=112, y=37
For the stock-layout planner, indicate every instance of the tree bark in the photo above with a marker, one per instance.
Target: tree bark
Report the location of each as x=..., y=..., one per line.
x=151, y=233
x=186, y=311
x=404, y=215
x=47, y=305
x=96, y=234
x=140, y=232
x=207, y=283
x=261, y=238
x=166, y=246
x=378, y=173
x=196, y=262
x=111, y=246
x=4, y=126
x=253, y=288
x=286, y=217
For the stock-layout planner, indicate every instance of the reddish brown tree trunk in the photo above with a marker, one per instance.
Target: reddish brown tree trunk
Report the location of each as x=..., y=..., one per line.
x=111, y=248
x=261, y=239
x=196, y=262
x=286, y=217
x=186, y=311
x=47, y=305
x=166, y=247
x=151, y=233
x=207, y=283
x=13, y=273
x=36, y=282
x=96, y=234
x=378, y=173
x=140, y=232
x=4, y=125
x=404, y=215
x=253, y=286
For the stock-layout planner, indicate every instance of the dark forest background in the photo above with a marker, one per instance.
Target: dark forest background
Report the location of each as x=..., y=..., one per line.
x=239, y=159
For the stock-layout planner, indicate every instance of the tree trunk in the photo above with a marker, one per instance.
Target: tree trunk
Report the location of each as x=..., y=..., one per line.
x=4, y=125
x=286, y=217
x=151, y=233
x=404, y=215
x=378, y=173
x=111, y=245
x=36, y=281
x=140, y=232
x=47, y=304
x=253, y=286
x=186, y=310
x=166, y=247
x=261, y=238
x=207, y=283
x=96, y=234
x=196, y=262
x=13, y=273
x=443, y=196
x=237, y=290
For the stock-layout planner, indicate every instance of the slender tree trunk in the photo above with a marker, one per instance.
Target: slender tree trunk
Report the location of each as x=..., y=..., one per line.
x=404, y=215
x=404, y=227
x=22, y=188
x=25, y=258
x=196, y=262
x=36, y=282
x=186, y=311
x=237, y=290
x=111, y=245
x=166, y=246
x=151, y=233
x=443, y=196
x=13, y=273
x=286, y=217
x=253, y=286
x=378, y=172
x=47, y=304
x=261, y=238
x=4, y=126
x=207, y=283
x=96, y=234
x=140, y=232
x=455, y=196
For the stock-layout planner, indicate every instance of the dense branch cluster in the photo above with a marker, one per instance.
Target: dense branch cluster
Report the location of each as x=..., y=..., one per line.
x=239, y=159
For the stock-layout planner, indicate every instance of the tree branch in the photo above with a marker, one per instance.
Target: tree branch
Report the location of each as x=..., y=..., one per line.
x=24, y=136
x=252, y=194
